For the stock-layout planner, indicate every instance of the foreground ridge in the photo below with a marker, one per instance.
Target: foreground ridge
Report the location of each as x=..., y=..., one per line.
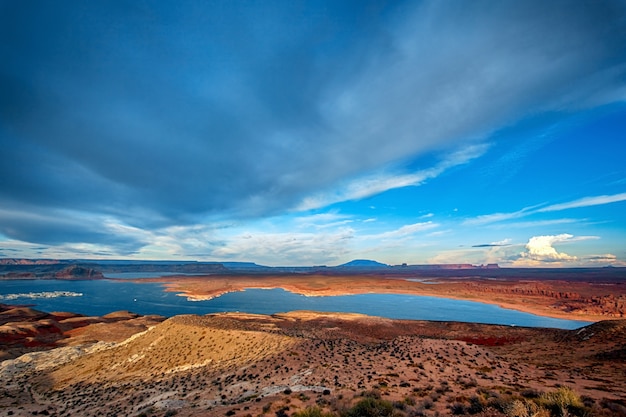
x=250, y=365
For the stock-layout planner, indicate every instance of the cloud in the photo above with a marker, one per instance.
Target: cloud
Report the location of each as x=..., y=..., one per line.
x=322, y=220
x=299, y=248
x=385, y=181
x=527, y=211
x=505, y=242
x=602, y=258
x=586, y=202
x=500, y=255
x=173, y=114
x=67, y=227
x=498, y=217
x=539, y=248
x=537, y=223
x=404, y=231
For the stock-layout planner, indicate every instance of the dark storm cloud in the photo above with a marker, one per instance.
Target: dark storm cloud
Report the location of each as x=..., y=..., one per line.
x=183, y=109
x=159, y=113
x=59, y=227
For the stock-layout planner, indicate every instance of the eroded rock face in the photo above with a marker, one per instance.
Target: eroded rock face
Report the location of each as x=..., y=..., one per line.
x=76, y=271
x=24, y=329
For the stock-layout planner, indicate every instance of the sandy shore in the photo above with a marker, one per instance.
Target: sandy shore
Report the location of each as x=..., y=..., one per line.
x=573, y=300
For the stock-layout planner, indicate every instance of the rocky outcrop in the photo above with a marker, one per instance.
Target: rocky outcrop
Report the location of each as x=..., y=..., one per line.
x=24, y=329
x=610, y=304
x=78, y=272
x=49, y=271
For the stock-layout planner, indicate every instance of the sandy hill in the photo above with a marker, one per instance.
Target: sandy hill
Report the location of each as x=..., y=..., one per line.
x=252, y=365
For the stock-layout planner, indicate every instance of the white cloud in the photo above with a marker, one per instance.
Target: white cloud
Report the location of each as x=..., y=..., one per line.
x=527, y=211
x=536, y=223
x=493, y=218
x=295, y=248
x=540, y=248
x=586, y=202
x=322, y=220
x=382, y=181
x=404, y=231
x=477, y=256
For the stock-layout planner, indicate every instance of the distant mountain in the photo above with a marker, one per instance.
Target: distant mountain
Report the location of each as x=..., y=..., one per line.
x=362, y=263
x=19, y=261
x=240, y=265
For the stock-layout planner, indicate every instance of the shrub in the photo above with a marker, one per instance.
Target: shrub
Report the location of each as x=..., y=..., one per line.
x=371, y=407
x=282, y=412
x=530, y=393
x=563, y=402
x=375, y=394
x=457, y=409
x=476, y=405
x=400, y=405
x=313, y=412
x=519, y=408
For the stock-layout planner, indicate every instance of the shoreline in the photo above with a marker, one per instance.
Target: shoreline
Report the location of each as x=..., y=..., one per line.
x=210, y=287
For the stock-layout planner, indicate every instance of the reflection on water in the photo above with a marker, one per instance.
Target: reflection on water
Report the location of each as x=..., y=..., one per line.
x=104, y=296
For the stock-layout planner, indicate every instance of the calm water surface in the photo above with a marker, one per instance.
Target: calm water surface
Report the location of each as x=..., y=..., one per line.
x=104, y=296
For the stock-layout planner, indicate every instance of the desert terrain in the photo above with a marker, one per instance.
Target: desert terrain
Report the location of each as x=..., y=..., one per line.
x=310, y=364
x=305, y=364
x=569, y=296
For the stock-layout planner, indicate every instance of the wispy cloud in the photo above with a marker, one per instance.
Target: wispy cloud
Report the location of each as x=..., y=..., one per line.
x=326, y=247
x=527, y=211
x=322, y=220
x=266, y=110
x=535, y=223
x=497, y=217
x=384, y=181
x=404, y=231
x=585, y=202
x=505, y=242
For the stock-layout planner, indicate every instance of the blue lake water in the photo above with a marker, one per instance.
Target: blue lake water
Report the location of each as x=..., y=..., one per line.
x=100, y=297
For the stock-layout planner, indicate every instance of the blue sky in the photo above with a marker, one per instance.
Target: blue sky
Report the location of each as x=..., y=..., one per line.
x=309, y=133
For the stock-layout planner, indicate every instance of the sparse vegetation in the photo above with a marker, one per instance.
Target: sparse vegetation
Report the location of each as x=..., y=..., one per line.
x=406, y=374
x=563, y=402
x=313, y=412
x=372, y=407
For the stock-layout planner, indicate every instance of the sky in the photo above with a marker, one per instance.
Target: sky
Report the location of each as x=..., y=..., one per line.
x=314, y=132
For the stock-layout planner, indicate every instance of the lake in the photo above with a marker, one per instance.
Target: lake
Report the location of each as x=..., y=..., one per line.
x=99, y=297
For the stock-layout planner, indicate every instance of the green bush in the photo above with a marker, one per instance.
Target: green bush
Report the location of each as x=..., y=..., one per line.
x=372, y=407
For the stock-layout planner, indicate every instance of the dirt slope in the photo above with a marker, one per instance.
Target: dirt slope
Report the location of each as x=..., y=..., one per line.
x=242, y=364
